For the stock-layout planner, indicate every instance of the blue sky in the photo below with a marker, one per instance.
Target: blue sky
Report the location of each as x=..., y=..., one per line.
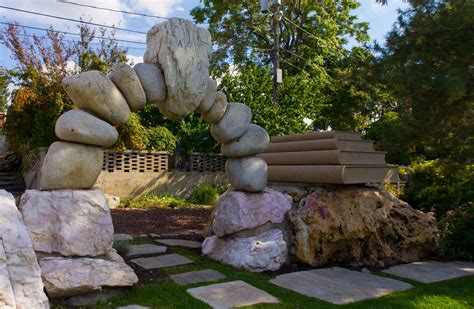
x=380, y=18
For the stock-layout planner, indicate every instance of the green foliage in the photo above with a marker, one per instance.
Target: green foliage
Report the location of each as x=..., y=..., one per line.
x=4, y=93
x=133, y=135
x=206, y=194
x=457, y=233
x=153, y=200
x=122, y=247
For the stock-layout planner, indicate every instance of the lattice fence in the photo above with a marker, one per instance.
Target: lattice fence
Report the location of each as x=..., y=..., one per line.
x=202, y=162
x=131, y=161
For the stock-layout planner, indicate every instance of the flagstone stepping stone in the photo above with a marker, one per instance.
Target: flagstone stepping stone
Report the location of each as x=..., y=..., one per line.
x=339, y=285
x=161, y=261
x=145, y=249
x=180, y=243
x=231, y=294
x=205, y=275
x=431, y=271
x=133, y=307
x=123, y=237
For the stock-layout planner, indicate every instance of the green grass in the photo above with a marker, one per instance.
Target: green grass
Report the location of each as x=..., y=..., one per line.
x=163, y=293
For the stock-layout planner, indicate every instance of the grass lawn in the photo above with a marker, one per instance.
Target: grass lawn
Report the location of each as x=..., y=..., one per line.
x=163, y=293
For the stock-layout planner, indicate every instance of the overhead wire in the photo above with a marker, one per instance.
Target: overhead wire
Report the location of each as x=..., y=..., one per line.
x=304, y=30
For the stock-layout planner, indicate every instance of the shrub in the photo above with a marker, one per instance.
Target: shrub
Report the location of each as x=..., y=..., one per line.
x=122, y=247
x=457, y=233
x=153, y=200
x=206, y=194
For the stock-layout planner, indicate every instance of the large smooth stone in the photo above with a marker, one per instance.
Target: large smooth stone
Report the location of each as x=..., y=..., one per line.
x=253, y=142
x=360, y=226
x=247, y=174
x=81, y=127
x=217, y=110
x=183, y=51
x=263, y=252
x=64, y=277
x=126, y=79
x=233, y=124
x=20, y=276
x=153, y=82
x=94, y=92
x=209, y=99
x=71, y=166
x=70, y=222
x=238, y=211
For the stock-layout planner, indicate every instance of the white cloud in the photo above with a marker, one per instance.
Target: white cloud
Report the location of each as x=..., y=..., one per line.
x=160, y=8
x=132, y=60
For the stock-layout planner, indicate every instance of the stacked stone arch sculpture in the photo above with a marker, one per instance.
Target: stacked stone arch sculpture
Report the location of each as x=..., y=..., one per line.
x=175, y=78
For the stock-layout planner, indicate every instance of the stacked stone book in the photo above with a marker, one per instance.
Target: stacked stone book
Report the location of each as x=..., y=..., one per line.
x=334, y=157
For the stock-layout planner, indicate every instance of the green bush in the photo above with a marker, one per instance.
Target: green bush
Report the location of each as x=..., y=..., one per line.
x=457, y=233
x=166, y=200
x=122, y=247
x=206, y=194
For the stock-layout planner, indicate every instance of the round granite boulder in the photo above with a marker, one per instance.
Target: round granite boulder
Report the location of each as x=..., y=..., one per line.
x=210, y=97
x=126, y=79
x=233, y=124
x=253, y=142
x=94, y=92
x=247, y=174
x=81, y=127
x=153, y=82
x=217, y=111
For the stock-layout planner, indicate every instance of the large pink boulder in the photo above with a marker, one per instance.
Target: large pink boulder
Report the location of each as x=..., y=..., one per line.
x=239, y=210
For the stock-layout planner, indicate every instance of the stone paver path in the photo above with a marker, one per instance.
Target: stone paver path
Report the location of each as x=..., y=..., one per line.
x=432, y=271
x=123, y=237
x=180, y=243
x=161, y=261
x=205, y=275
x=339, y=285
x=231, y=294
x=145, y=249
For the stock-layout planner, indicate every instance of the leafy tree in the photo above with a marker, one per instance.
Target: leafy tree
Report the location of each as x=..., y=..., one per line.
x=4, y=93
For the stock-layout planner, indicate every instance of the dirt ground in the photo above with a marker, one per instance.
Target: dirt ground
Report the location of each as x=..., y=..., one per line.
x=184, y=222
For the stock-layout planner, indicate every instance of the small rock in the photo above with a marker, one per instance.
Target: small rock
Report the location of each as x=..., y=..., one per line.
x=81, y=127
x=233, y=124
x=65, y=277
x=123, y=237
x=113, y=201
x=126, y=79
x=253, y=142
x=94, y=92
x=153, y=82
x=71, y=166
x=70, y=222
x=183, y=51
x=239, y=211
x=209, y=99
x=263, y=252
x=217, y=110
x=247, y=174
x=145, y=249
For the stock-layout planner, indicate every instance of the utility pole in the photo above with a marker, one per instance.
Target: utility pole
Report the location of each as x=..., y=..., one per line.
x=275, y=25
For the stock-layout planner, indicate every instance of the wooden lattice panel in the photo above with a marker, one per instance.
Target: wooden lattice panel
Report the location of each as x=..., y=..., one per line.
x=201, y=162
x=135, y=161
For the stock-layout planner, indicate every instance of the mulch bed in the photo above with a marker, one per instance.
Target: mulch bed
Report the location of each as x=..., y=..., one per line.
x=185, y=223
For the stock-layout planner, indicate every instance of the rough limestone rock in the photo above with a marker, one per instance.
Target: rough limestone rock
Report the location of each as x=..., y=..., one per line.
x=248, y=173
x=253, y=142
x=217, y=111
x=81, y=127
x=266, y=251
x=183, y=51
x=239, y=211
x=71, y=166
x=65, y=277
x=234, y=123
x=71, y=222
x=94, y=92
x=361, y=227
x=153, y=82
x=20, y=276
x=126, y=79
x=209, y=99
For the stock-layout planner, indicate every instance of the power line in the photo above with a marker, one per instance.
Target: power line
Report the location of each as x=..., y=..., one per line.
x=304, y=30
x=296, y=67
x=70, y=19
x=111, y=10
x=295, y=54
x=71, y=33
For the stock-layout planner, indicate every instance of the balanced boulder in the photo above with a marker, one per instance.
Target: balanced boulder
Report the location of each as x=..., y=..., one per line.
x=152, y=80
x=233, y=124
x=210, y=97
x=94, y=92
x=248, y=173
x=183, y=51
x=71, y=166
x=253, y=142
x=81, y=127
x=217, y=111
x=126, y=79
